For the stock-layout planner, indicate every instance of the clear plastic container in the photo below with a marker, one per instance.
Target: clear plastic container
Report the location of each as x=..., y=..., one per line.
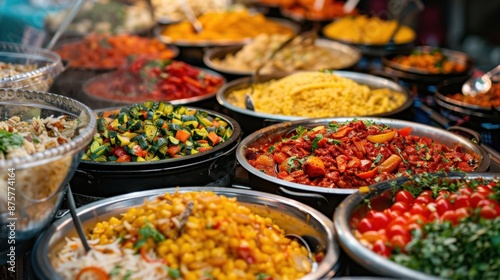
x=40, y=178
x=36, y=68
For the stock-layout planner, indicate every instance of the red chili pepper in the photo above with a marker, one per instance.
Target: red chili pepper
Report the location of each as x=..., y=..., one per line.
x=245, y=253
x=144, y=256
x=404, y=131
x=138, y=151
x=124, y=158
x=191, y=81
x=96, y=272
x=119, y=151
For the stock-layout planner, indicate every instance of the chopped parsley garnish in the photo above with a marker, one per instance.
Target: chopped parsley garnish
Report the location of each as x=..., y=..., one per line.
x=315, y=142
x=115, y=270
x=437, y=250
x=271, y=149
x=367, y=202
x=146, y=232
x=300, y=131
x=333, y=127
x=263, y=276
x=291, y=162
x=368, y=123
x=174, y=273
x=8, y=139
x=400, y=155
x=128, y=274
x=335, y=141
x=377, y=160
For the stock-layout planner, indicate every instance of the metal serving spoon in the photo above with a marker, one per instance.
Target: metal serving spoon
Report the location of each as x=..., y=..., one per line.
x=249, y=104
x=198, y=27
x=479, y=85
x=76, y=219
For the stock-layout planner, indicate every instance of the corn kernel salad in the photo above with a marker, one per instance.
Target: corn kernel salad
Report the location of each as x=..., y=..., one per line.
x=193, y=235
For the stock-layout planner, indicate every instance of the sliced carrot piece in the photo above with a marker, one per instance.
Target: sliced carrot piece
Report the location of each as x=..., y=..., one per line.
x=214, y=138
x=182, y=135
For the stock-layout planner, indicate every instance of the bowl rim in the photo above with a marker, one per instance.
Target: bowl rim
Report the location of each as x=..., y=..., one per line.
x=367, y=257
x=41, y=247
x=240, y=152
x=383, y=82
x=76, y=144
x=55, y=66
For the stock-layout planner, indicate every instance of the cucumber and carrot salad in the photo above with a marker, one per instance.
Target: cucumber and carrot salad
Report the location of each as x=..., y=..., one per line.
x=153, y=131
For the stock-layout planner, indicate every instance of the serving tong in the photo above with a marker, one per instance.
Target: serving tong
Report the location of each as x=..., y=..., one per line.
x=310, y=34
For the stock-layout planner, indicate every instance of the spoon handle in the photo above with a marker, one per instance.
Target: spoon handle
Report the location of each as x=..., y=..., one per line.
x=303, y=35
x=493, y=71
x=272, y=55
x=67, y=20
x=76, y=219
x=190, y=15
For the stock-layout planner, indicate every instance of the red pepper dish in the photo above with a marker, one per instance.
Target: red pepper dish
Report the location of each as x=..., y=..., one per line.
x=354, y=154
x=154, y=79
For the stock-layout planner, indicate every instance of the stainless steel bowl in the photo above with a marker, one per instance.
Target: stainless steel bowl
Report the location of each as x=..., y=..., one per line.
x=288, y=214
x=327, y=199
x=39, y=178
x=255, y=120
x=349, y=54
x=366, y=257
x=217, y=43
x=398, y=71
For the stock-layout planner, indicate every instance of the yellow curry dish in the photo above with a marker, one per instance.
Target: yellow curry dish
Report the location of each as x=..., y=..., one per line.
x=225, y=26
x=361, y=29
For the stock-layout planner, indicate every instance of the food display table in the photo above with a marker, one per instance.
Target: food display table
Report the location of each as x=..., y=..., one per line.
x=207, y=139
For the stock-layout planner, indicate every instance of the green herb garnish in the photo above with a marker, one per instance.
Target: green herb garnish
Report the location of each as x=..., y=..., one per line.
x=115, y=270
x=146, y=232
x=314, y=143
x=9, y=139
x=333, y=127
x=128, y=274
x=377, y=160
x=400, y=155
x=335, y=141
x=437, y=251
x=300, y=131
x=271, y=149
x=174, y=273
